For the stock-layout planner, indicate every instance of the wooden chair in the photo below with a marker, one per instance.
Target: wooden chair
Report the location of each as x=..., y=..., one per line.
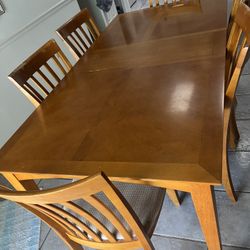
x=237, y=47
x=239, y=41
x=79, y=33
x=240, y=32
x=174, y=3
x=38, y=75
x=96, y=213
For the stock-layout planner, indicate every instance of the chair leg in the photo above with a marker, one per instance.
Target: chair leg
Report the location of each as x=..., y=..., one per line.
x=173, y=195
x=234, y=135
x=227, y=180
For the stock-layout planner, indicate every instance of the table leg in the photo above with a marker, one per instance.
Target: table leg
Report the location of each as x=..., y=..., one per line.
x=204, y=203
x=173, y=196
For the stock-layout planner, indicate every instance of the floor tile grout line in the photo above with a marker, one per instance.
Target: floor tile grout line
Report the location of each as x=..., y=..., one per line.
x=174, y=238
x=242, y=94
x=196, y=241
x=237, y=191
x=40, y=247
x=240, y=151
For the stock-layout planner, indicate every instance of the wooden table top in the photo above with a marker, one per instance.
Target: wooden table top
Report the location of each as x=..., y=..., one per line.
x=146, y=102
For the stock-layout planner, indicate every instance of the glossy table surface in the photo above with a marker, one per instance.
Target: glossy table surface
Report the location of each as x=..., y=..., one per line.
x=146, y=102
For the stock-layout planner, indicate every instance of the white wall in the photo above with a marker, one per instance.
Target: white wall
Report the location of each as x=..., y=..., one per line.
x=19, y=13
x=33, y=22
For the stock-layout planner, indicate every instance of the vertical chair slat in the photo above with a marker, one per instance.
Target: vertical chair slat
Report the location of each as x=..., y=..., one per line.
x=65, y=60
x=93, y=27
x=33, y=92
x=45, y=78
x=72, y=46
x=52, y=72
x=77, y=43
x=59, y=65
x=84, y=45
x=85, y=35
x=39, y=85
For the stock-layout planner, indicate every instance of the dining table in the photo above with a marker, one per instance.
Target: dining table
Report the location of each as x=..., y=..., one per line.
x=144, y=105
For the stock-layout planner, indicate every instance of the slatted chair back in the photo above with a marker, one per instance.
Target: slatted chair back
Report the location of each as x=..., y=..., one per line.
x=61, y=206
x=153, y=3
x=79, y=33
x=174, y=3
x=39, y=74
x=232, y=14
x=239, y=35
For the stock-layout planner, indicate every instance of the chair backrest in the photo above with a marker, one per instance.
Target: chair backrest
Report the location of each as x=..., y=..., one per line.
x=235, y=6
x=39, y=74
x=237, y=69
x=79, y=33
x=239, y=35
x=174, y=3
x=80, y=225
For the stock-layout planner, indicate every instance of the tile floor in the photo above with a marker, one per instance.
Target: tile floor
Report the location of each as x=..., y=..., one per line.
x=234, y=219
